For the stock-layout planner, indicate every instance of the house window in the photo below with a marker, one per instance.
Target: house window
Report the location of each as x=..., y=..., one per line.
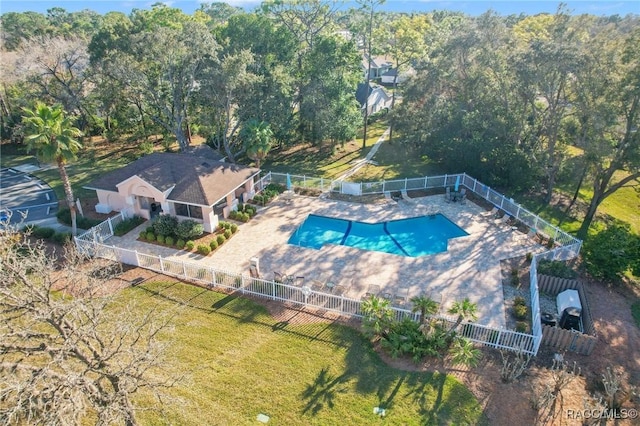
x=186, y=210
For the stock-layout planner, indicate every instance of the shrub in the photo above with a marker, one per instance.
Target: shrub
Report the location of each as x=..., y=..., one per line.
x=143, y=235
x=550, y=243
x=64, y=216
x=127, y=225
x=520, y=311
x=233, y=228
x=61, y=238
x=213, y=245
x=188, y=229
x=150, y=236
x=227, y=233
x=221, y=239
x=611, y=252
x=244, y=217
x=45, y=233
x=160, y=238
x=519, y=300
x=204, y=249
x=275, y=187
x=165, y=225
x=259, y=199
x=169, y=240
x=515, y=277
x=224, y=225
x=189, y=245
x=529, y=257
x=180, y=244
x=555, y=268
x=522, y=327
x=149, y=229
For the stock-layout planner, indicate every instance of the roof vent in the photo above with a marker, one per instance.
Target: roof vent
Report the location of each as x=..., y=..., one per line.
x=205, y=164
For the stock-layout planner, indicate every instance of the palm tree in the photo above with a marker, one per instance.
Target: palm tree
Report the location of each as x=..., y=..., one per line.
x=257, y=136
x=426, y=306
x=377, y=315
x=463, y=352
x=465, y=310
x=53, y=137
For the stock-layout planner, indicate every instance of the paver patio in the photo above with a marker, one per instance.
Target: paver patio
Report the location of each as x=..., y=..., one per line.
x=470, y=268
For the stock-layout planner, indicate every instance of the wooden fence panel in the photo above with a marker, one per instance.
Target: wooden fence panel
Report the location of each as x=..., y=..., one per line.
x=556, y=337
x=560, y=338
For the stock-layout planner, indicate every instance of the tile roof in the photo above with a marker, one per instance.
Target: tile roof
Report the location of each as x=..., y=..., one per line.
x=195, y=179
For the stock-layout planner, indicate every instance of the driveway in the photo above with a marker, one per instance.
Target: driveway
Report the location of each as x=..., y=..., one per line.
x=24, y=194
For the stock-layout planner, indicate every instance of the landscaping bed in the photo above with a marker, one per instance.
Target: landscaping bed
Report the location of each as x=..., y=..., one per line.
x=187, y=235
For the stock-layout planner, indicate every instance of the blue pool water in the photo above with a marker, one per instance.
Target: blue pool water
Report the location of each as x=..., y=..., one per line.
x=414, y=237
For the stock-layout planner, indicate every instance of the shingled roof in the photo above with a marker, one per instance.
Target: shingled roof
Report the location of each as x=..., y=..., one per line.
x=195, y=179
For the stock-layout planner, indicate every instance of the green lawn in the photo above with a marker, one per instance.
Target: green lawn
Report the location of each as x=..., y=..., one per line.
x=94, y=160
x=305, y=159
x=241, y=363
x=394, y=161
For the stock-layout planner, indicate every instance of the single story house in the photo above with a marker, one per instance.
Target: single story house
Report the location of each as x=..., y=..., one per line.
x=183, y=185
x=389, y=76
x=379, y=99
x=379, y=65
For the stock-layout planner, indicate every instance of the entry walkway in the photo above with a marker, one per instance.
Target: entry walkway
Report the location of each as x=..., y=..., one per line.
x=361, y=163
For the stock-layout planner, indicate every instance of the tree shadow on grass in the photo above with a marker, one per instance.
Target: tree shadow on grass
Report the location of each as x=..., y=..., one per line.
x=322, y=392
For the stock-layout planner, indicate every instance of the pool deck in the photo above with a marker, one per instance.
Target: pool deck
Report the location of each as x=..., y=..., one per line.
x=470, y=268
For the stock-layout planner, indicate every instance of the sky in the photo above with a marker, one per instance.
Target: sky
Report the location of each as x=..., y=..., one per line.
x=471, y=7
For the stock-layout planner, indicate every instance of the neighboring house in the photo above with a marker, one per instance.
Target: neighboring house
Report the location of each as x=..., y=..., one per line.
x=379, y=66
x=388, y=77
x=183, y=185
x=379, y=99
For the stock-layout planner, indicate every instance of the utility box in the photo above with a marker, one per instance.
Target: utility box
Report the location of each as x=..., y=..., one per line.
x=254, y=266
x=569, y=310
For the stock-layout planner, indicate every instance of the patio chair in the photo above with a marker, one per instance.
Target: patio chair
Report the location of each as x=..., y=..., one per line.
x=463, y=195
x=372, y=290
x=339, y=290
x=387, y=295
x=317, y=285
x=405, y=196
x=278, y=277
x=299, y=281
x=253, y=271
x=447, y=195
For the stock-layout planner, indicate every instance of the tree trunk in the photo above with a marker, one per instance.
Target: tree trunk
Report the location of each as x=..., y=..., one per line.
x=393, y=101
x=602, y=190
x=366, y=82
x=591, y=212
x=575, y=194
x=69, y=195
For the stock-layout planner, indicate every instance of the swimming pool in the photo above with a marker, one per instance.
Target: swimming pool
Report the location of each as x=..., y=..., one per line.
x=414, y=237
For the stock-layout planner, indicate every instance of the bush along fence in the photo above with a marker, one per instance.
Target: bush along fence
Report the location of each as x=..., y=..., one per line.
x=565, y=247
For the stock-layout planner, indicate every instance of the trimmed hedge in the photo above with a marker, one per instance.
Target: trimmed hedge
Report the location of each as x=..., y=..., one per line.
x=127, y=225
x=204, y=249
x=64, y=216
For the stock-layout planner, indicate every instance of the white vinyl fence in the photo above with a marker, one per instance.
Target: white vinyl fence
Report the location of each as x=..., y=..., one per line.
x=566, y=247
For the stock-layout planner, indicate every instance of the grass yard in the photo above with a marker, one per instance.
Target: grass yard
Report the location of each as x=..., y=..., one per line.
x=97, y=157
x=393, y=161
x=306, y=159
x=241, y=363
